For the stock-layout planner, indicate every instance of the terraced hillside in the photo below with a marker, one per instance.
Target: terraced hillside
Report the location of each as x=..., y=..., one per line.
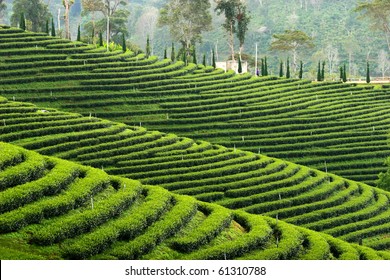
x=229, y=177
x=340, y=128
x=53, y=209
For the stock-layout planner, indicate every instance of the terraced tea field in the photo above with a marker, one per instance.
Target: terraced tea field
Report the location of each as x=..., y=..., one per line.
x=331, y=126
x=80, y=212
x=334, y=127
x=232, y=178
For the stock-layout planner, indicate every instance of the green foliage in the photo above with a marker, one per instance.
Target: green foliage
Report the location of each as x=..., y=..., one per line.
x=213, y=60
x=100, y=39
x=300, y=76
x=194, y=60
x=344, y=73
x=281, y=74
x=165, y=53
x=47, y=30
x=288, y=74
x=204, y=60
x=378, y=12
x=22, y=22
x=239, y=65
x=173, y=54
x=124, y=48
x=53, y=28
x=368, y=78
x=78, y=34
x=319, y=74
x=148, y=48
x=186, y=20
x=35, y=12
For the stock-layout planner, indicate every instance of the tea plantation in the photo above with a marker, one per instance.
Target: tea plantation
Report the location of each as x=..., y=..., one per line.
x=57, y=209
x=335, y=127
x=53, y=209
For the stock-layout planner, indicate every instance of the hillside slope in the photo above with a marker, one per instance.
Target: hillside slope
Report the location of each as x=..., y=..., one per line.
x=53, y=209
x=233, y=178
x=334, y=127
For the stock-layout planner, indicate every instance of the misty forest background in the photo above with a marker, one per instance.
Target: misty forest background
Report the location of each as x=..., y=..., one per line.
x=339, y=35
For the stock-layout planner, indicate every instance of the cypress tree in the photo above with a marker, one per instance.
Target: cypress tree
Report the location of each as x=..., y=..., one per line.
x=148, y=50
x=341, y=74
x=239, y=65
x=47, y=27
x=173, y=55
x=344, y=74
x=262, y=68
x=165, y=53
x=288, y=69
x=265, y=67
x=323, y=71
x=319, y=72
x=204, y=59
x=124, y=48
x=214, y=63
x=368, y=78
x=194, y=60
x=281, y=70
x=78, y=34
x=100, y=39
x=22, y=22
x=92, y=35
x=300, y=70
x=184, y=57
x=53, y=28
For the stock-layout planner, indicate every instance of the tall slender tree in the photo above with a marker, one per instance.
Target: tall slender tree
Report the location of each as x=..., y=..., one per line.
x=47, y=31
x=265, y=67
x=100, y=39
x=173, y=54
x=78, y=34
x=236, y=21
x=323, y=71
x=239, y=65
x=344, y=73
x=281, y=74
x=300, y=70
x=53, y=28
x=204, y=60
x=67, y=4
x=22, y=22
x=262, y=69
x=368, y=78
x=186, y=20
x=194, y=60
x=288, y=74
x=213, y=62
x=341, y=73
x=124, y=48
x=165, y=53
x=319, y=76
x=243, y=20
x=148, y=48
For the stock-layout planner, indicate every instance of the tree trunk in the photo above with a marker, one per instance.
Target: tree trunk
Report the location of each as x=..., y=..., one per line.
x=66, y=17
x=231, y=41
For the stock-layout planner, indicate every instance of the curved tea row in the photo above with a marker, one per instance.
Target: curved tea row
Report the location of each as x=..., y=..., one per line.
x=329, y=126
x=76, y=212
x=232, y=178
